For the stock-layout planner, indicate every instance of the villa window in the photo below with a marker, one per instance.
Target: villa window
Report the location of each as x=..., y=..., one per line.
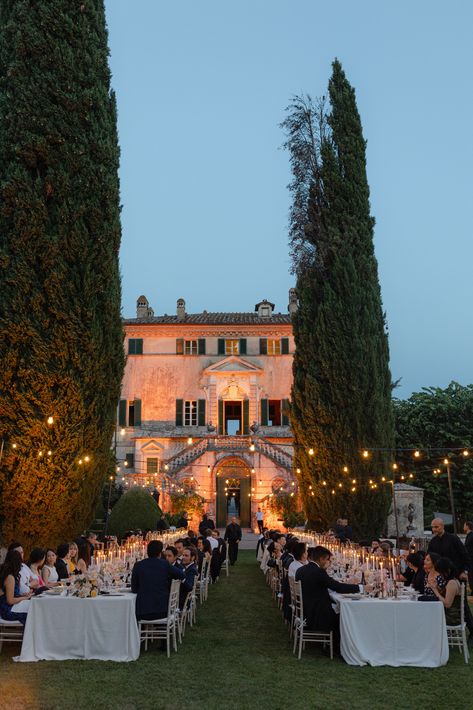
x=190, y=412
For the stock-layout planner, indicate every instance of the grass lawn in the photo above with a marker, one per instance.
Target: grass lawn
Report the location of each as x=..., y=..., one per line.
x=237, y=656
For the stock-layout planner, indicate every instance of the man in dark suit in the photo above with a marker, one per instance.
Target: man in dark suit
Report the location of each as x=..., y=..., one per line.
x=468, y=529
x=206, y=524
x=233, y=537
x=61, y=561
x=315, y=583
x=190, y=571
x=150, y=581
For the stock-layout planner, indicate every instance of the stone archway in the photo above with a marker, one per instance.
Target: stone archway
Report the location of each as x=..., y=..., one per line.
x=233, y=486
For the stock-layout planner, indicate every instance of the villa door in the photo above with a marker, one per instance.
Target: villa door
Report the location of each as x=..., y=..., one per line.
x=233, y=500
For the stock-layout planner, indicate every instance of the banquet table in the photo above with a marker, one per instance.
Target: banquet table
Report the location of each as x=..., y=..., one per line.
x=392, y=632
x=59, y=628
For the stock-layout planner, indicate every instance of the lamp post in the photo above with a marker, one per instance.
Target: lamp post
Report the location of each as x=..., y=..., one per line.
x=450, y=490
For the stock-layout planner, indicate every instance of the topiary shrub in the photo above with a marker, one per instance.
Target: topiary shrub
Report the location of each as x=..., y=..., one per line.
x=136, y=509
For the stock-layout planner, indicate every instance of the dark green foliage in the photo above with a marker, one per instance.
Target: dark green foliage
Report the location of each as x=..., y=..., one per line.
x=439, y=423
x=341, y=398
x=61, y=338
x=136, y=510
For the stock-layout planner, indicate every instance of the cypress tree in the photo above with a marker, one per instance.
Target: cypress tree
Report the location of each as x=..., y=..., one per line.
x=61, y=337
x=341, y=397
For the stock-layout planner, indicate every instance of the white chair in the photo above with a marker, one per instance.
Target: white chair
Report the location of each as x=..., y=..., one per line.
x=226, y=562
x=301, y=634
x=204, y=581
x=187, y=613
x=10, y=632
x=457, y=634
x=154, y=629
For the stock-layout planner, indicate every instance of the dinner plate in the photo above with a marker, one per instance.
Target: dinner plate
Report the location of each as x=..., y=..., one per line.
x=355, y=595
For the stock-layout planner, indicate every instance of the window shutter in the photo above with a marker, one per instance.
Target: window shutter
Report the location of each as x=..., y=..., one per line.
x=284, y=346
x=246, y=416
x=264, y=412
x=285, y=410
x=179, y=412
x=263, y=346
x=137, y=412
x=201, y=412
x=242, y=346
x=131, y=346
x=139, y=346
x=201, y=346
x=221, y=346
x=130, y=460
x=220, y=416
x=179, y=346
x=122, y=413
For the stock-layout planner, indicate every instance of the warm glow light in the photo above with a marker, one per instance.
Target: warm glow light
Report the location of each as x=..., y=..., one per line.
x=166, y=467
x=118, y=467
x=312, y=493
x=189, y=440
x=345, y=469
x=402, y=478
x=253, y=470
x=125, y=463
x=333, y=491
x=417, y=454
x=298, y=470
x=260, y=482
x=292, y=493
x=14, y=446
x=365, y=454
x=394, y=466
x=50, y=420
x=353, y=480
x=383, y=478
x=208, y=469
x=49, y=453
x=353, y=489
x=411, y=475
x=111, y=478
x=446, y=461
x=324, y=483
x=311, y=452
x=340, y=485
x=292, y=483
x=87, y=458
x=465, y=453
x=252, y=447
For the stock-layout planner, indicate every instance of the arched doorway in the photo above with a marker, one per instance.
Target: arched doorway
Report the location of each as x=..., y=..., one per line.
x=233, y=485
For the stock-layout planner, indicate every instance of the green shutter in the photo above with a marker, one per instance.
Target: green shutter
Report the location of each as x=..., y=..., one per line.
x=122, y=413
x=263, y=346
x=246, y=417
x=179, y=412
x=201, y=412
x=245, y=502
x=284, y=346
x=264, y=412
x=201, y=346
x=221, y=346
x=139, y=346
x=285, y=410
x=242, y=347
x=131, y=346
x=220, y=417
x=137, y=412
x=179, y=346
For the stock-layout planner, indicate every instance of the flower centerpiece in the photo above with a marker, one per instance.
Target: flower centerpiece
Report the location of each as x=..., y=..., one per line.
x=84, y=586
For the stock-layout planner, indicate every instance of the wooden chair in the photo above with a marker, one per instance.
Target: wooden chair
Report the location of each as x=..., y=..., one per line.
x=457, y=634
x=10, y=632
x=301, y=634
x=168, y=628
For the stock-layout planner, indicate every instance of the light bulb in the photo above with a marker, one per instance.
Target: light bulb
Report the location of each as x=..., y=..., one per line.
x=365, y=454
x=311, y=452
x=50, y=420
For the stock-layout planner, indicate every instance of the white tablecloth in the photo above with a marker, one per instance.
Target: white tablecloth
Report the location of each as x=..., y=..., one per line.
x=393, y=633
x=62, y=628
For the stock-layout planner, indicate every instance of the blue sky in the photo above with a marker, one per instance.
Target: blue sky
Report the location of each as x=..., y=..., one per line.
x=202, y=87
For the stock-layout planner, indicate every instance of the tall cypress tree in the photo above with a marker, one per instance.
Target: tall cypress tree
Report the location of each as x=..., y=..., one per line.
x=341, y=398
x=61, y=338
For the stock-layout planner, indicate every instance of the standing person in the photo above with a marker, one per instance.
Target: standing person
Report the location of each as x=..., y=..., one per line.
x=468, y=529
x=259, y=520
x=449, y=545
x=150, y=581
x=233, y=537
x=206, y=524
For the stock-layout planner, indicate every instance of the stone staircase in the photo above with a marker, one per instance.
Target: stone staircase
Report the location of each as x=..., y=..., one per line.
x=275, y=453
x=185, y=457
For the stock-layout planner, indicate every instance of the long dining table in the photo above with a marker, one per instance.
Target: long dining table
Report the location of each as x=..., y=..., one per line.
x=60, y=628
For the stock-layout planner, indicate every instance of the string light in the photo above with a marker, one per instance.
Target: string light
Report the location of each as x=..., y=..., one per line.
x=122, y=431
x=394, y=466
x=86, y=458
x=365, y=454
x=14, y=446
x=345, y=469
x=311, y=452
x=50, y=421
x=298, y=470
x=252, y=447
x=417, y=454
x=465, y=453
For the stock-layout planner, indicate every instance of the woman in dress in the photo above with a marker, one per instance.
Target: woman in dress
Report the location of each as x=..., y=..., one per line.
x=83, y=557
x=450, y=593
x=10, y=588
x=35, y=563
x=432, y=578
x=49, y=571
x=75, y=563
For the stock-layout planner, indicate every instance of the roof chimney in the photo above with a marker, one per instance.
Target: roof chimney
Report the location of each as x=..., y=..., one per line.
x=292, y=307
x=265, y=309
x=143, y=309
x=181, y=309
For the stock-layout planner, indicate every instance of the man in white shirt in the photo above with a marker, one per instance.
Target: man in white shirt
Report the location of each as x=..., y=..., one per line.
x=259, y=519
x=212, y=540
x=26, y=581
x=300, y=558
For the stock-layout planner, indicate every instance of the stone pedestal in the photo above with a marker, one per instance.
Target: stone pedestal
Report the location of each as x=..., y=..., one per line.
x=410, y=511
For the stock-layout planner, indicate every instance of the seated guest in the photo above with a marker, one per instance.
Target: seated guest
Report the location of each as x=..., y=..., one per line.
x=287, y=556
x=415, y=564
x=375, y=547
x=83, y=557
x=432, y=578
x=192, y=537
x=26, y=582
x=450, y=593
x=73, y=561
x=49, y=571
x=10, y=588
x=35, y=563
x=170, y=554
x=260, y=544
x=218, y=555
x=204, y=552
x=277, y=538
x=300, y=558
x=62, y=561
x=315, y=583
x=209, y=536
x=191, y=572
x=179, y=545
x=150, y=581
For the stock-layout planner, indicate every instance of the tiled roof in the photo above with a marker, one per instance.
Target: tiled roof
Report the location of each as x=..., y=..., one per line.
x=213, y=318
